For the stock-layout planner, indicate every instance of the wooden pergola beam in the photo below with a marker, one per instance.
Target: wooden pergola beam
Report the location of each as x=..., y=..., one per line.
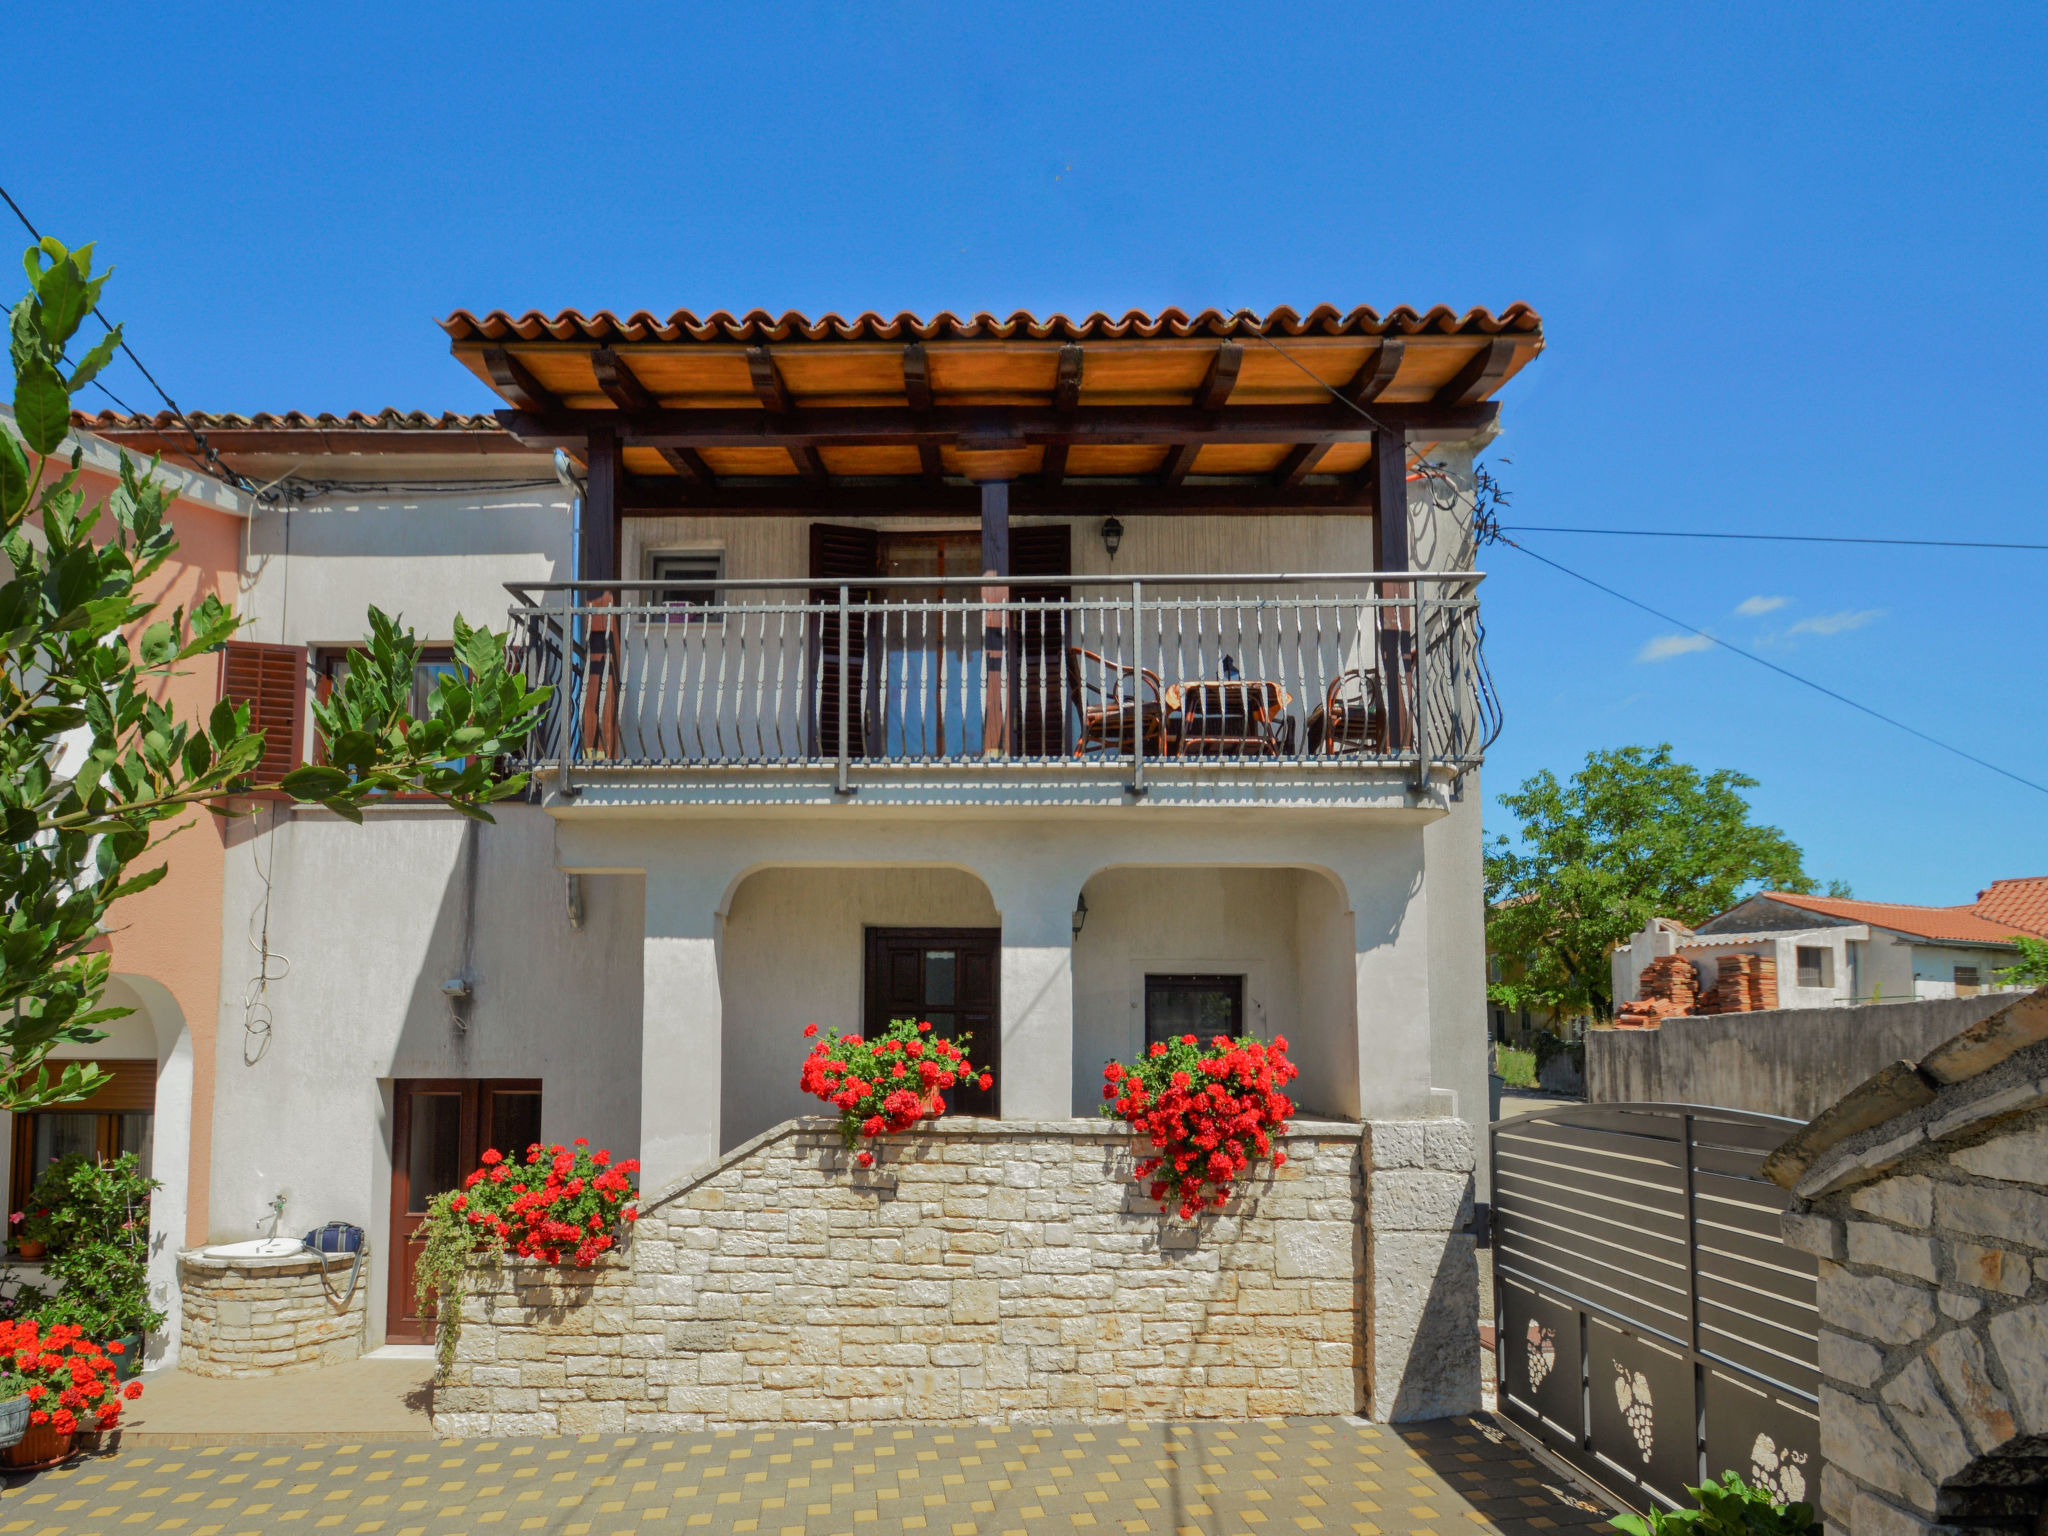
x=1212, y=396
x=884, y=426
x=615, y=377
x=1300, y=462
x=689, y=465
x=660, y=496
x=1377, y=372
x=515, y=383
x=1478, y=378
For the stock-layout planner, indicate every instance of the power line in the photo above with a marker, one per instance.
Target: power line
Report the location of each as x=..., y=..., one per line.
x=213, y=464
x=1774, y=538
x=1840, y=698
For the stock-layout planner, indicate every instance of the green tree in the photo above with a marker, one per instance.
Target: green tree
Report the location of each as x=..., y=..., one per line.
x=94, y=771
x=1634, y=835
x=2032, y=969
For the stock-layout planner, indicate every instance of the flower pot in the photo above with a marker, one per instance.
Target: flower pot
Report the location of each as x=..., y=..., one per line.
x=130, y=1358
x=13, y=1420
x=29, y=1248
x=39, y=1447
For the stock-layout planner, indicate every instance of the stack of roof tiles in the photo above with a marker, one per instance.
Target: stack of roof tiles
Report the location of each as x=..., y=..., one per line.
x=1747, y=984
x=1668, y=987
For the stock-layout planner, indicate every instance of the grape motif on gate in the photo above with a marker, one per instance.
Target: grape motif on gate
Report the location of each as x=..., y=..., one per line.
x=1542, y=1353
x=1632, y=1393
x=1778, y=1469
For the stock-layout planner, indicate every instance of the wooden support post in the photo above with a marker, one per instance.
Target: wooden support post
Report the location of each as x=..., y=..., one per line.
x=598, y=548
x=995, y=639
x=1397, y=627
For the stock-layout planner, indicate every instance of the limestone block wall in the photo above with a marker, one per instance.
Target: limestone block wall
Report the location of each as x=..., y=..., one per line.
x=993, y=1270
x=253, y=1317
x=1930, y=1219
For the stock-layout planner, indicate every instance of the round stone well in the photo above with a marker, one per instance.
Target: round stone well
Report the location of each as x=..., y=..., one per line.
x=250, y=1315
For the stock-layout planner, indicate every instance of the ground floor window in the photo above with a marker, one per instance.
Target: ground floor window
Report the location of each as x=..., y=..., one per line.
x=1193, y=1005
x=119, y=1118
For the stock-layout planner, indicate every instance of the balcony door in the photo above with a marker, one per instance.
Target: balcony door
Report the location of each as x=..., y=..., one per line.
x=440, y=1129
x=948, y=976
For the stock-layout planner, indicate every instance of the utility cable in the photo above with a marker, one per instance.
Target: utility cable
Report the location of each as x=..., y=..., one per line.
x=213, y=464
x=1840, y=698
x=1774, y=538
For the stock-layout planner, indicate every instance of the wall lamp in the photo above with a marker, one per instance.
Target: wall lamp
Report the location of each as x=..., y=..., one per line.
x=1112, y=535
x=1080, y=914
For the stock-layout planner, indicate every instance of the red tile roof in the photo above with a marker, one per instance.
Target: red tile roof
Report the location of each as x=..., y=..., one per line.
x=2021, y=903
x=387, y=420
x=1958, y=923
x=757, y=325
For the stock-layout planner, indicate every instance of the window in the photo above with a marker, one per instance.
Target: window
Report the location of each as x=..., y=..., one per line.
x=436, y=661
x=1816, y=966
x=686, y=565
x=1966, y=981
x=271, y=681
x=1193, y=1005
x=119, y=1118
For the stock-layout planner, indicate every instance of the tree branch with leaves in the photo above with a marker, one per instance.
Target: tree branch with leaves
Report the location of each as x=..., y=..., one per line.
x=95, y=770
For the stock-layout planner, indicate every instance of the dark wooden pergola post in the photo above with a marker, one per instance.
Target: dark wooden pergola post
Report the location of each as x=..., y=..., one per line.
x=995, y=645
x=1397, y=630
x=597, y=554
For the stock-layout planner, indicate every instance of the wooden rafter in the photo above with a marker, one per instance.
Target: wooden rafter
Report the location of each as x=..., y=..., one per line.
x=515, y=383
x=1214, y=394
x=615, y=377
x=774, y=397
x=1479, y=377
x=1377, y=372
x=917, y=389
x=1066, y=396
x=1301, y=462
x=690, y=465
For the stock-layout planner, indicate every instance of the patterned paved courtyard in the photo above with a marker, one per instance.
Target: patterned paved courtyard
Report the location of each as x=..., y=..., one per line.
x=1454, y=1477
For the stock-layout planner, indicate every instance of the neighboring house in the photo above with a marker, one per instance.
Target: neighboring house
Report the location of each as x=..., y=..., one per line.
x=166, y=942
x=1831, y=951
x=904, y=667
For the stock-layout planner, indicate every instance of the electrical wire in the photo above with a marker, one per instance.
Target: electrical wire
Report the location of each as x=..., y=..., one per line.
x=1773, y=538
x=1494, y=532
x=213, y=464
x=1840, y=698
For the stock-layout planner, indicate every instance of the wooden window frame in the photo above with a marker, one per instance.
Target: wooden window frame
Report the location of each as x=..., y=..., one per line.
x=132, y=1091
x=1193, y=981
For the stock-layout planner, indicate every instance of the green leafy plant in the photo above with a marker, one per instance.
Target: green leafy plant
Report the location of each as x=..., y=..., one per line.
x=33, y=1223
x=1517, y=1068
x=95, y=770
x=2032, y=968
x=1731, y=1507
x=1633, y=835
x=97, y=1218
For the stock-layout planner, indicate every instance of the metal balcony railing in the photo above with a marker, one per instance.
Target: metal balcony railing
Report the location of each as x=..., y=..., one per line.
x=1154, y=673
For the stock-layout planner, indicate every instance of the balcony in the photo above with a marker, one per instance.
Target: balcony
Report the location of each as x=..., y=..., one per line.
x=1219, y=688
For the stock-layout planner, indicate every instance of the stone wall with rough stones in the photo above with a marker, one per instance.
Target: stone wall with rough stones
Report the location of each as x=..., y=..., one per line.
x=992, y=1270
x=255, y=1317
x=1930, y=1221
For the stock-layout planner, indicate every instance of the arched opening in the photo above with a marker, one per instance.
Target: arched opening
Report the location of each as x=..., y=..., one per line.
x=797, y=947
x=1252, y=950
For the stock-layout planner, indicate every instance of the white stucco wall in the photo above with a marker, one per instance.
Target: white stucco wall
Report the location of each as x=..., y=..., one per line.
x=365, y=923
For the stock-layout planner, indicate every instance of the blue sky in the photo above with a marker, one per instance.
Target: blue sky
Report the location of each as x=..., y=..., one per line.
x=1789, y=260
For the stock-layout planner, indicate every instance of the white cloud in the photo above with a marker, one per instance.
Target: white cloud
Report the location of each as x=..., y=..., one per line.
x=1753, y=607
x=1664, y=647
x=1836, y=623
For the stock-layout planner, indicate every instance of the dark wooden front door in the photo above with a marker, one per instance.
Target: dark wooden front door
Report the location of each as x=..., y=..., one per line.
x=440, y=1129
x=949, y=977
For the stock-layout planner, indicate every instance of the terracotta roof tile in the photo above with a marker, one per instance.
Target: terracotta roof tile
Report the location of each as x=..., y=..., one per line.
x=2023, y=904
x=1958, y=923
x=758, y=325
x=387, y=420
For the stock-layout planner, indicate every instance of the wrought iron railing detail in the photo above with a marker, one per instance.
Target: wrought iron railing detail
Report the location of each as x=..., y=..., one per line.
x=1123, y=677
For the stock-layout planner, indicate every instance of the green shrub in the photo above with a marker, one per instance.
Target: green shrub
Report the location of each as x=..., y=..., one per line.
x=98, y=1224
x=1516, y=1068
x=1730, y=1507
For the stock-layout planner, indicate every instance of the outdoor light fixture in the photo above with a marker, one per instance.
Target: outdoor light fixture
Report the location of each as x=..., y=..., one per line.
x=1112, y=536
x=1080, y=914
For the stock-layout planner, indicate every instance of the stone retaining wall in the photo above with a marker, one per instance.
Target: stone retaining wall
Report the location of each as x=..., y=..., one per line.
x=992, y=1270
x=253, y=1317
x=1925, y=1203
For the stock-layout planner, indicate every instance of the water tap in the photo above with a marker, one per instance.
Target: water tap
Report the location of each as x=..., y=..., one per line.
x=276, y=1213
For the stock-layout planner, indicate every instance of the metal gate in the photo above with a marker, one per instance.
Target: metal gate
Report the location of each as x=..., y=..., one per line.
x=1652, y=1327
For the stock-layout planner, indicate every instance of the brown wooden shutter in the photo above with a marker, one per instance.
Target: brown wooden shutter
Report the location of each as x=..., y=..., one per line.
x=271, y=680
x=1041, y=638
x=840, y=554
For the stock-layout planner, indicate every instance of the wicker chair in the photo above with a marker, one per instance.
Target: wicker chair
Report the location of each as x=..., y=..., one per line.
x=1102, y=695
x=1352, y=716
